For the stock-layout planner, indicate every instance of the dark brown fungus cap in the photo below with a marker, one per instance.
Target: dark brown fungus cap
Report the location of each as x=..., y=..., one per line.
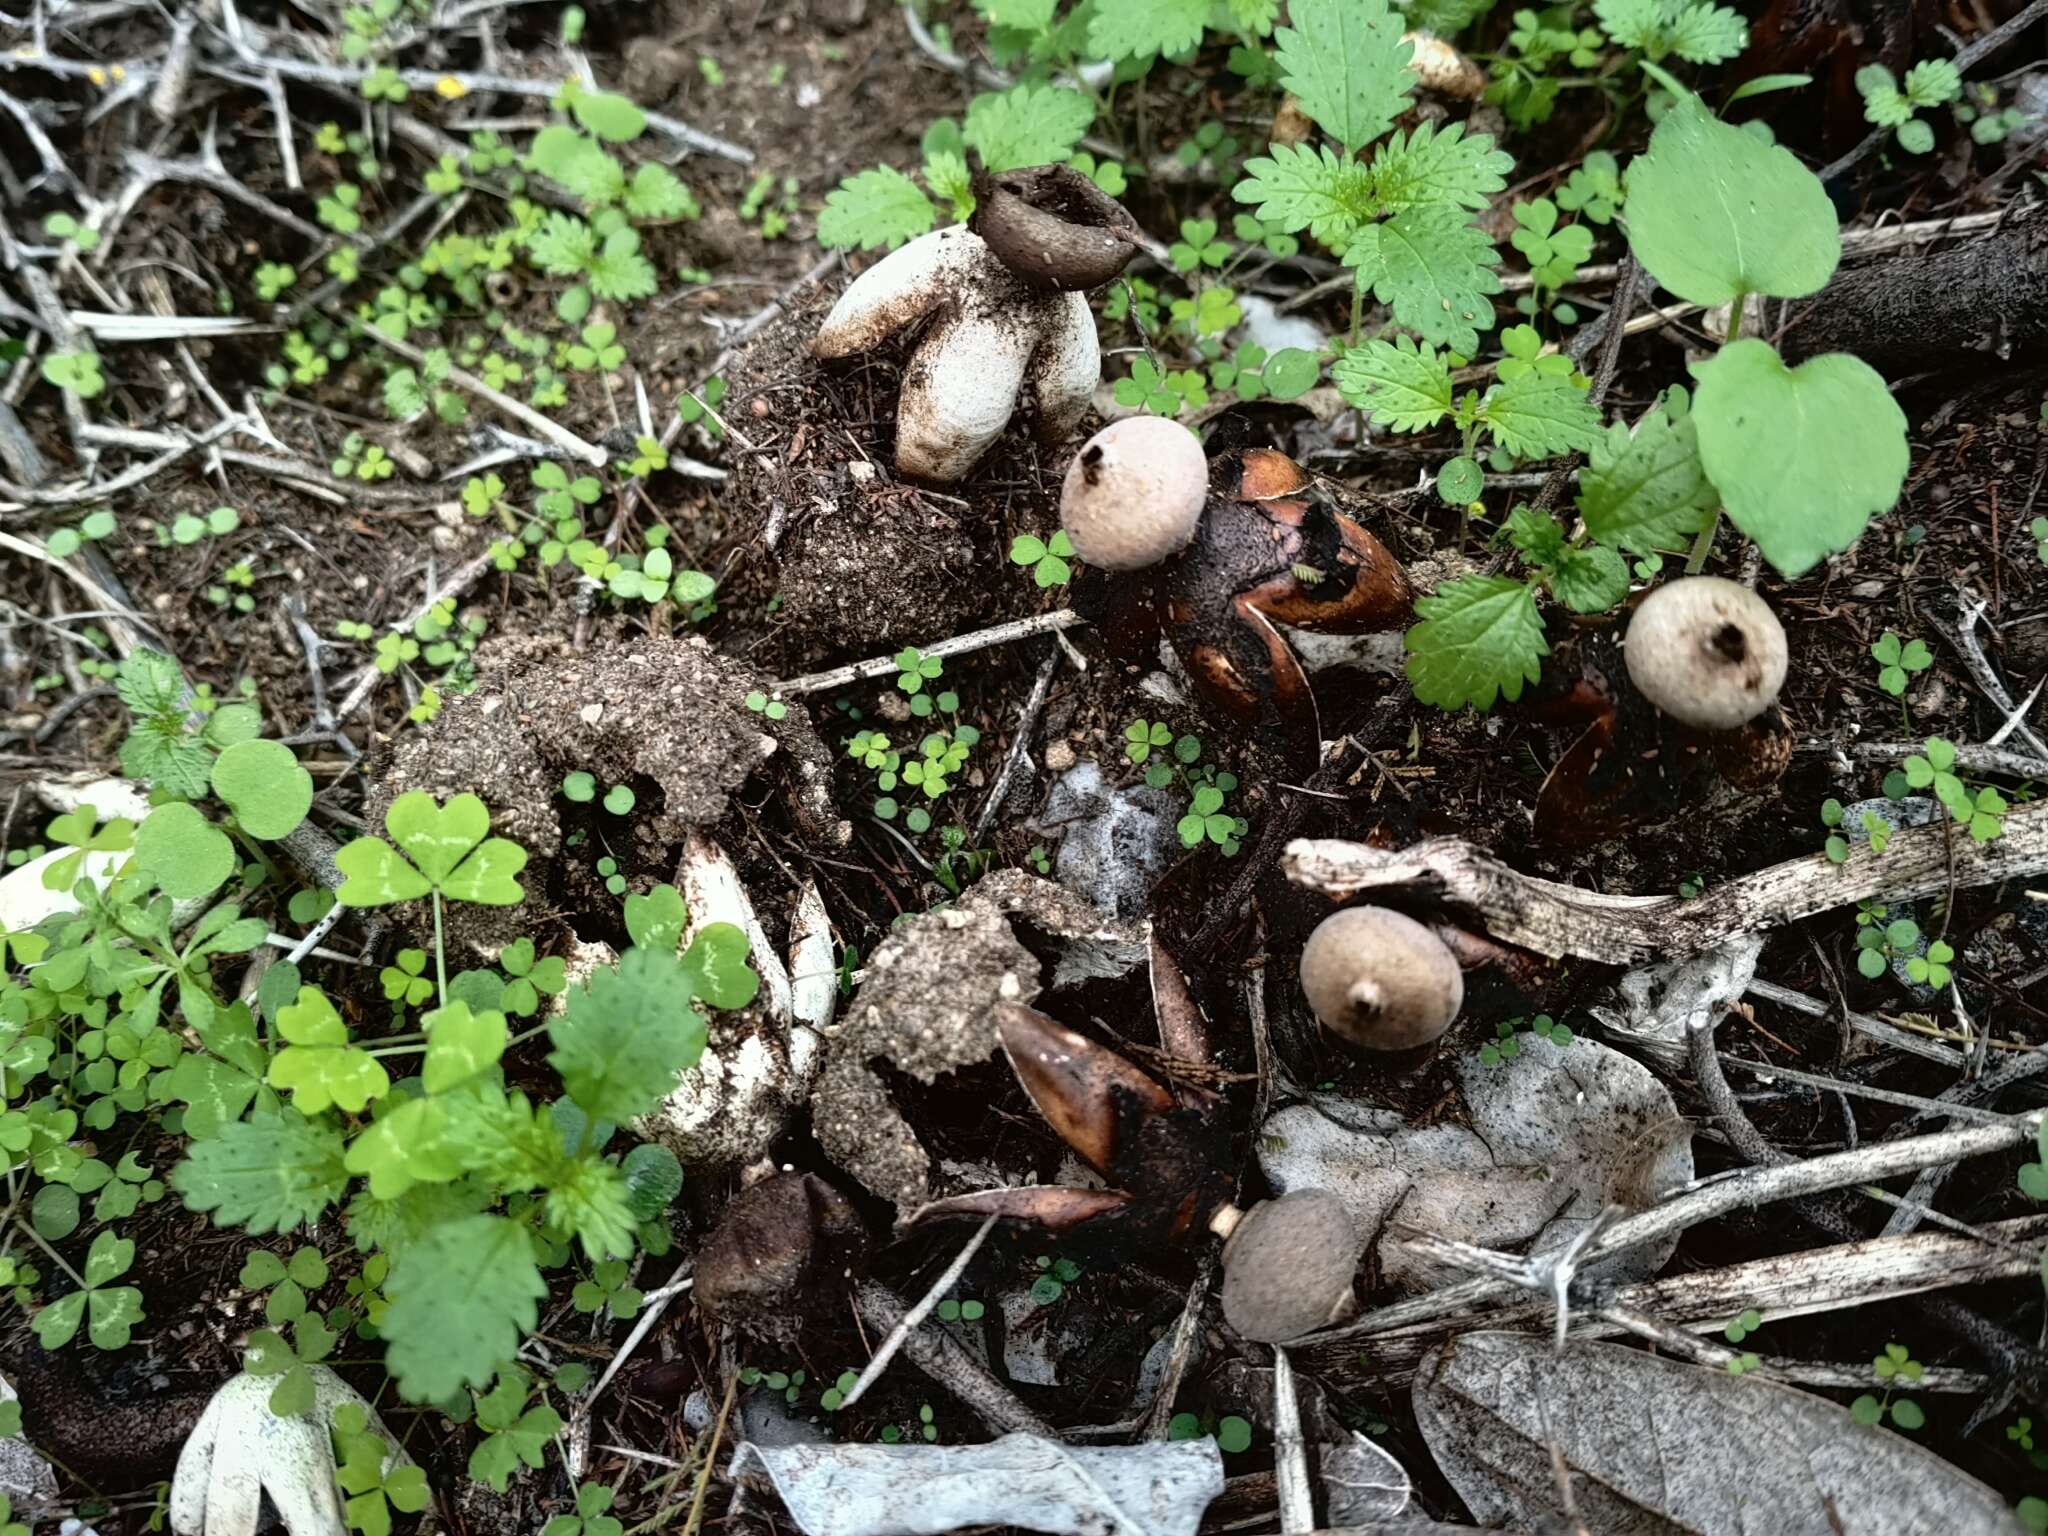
x=779, y=1241
x=1053, y=227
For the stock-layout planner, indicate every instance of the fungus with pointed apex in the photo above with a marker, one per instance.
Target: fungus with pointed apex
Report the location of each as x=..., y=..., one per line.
x=1134, y=493
x=1380, y=979
x=1053, y=227
x=1707, y=652
x=1288, y=1265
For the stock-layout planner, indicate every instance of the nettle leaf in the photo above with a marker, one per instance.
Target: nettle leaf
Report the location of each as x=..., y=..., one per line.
x=880, y=207
x=1346, y=62
x=1803, y=457
x=319, y=1067
x=1701, y=33
x=1027, y=124
x=185, y=854
x=1647, y=491
x=1434, y=269
x=1430, y=166
x=1714, y=211
x=461, y=1298
x=1480, y=636
x=1306, y=186
x=263, y=784
x=626, y=1035
x=269, y=1173
x=1538, y=415
x=1590, y=579
x=1397, y=383
x=1136, y=29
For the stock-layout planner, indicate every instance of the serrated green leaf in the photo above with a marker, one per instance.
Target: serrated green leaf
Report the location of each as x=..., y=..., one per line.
x=1306, y=186
x=1590, y=579
x=1434, y=269
x=563, y=155
x=1346, y=62
x=1399, y=384
x=1539, y=415
x=1480, y=637
x=1803, y=457
x=563, y=246
x=461, y=1299
x=1430, y=167
x=268, y=1173
x=655, y=193
x=1136, y=29
x=879, y=207
x=1706, y=34
x=626, y=1034
x=1646, y=492
x=1027, y=125
x=1713, y=211
x=619, y=272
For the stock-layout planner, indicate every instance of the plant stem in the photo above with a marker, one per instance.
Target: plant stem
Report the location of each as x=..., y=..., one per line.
x=440, y=952
x=1697, y=560
x=55, y=1257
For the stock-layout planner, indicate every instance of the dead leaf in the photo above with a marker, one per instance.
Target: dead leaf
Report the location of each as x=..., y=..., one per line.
x=1659, y=1446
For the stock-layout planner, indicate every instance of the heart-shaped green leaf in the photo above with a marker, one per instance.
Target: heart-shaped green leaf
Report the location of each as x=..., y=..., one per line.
x=1714, y=211
x=1803, y=457
x=186, y=855
x=263, y=784
x=487, y=876
x=717, y=957
x=460, y=1044
x=437, y=837
x=376, y=875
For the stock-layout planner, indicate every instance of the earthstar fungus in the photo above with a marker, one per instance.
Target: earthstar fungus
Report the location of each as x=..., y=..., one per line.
x=994, y=334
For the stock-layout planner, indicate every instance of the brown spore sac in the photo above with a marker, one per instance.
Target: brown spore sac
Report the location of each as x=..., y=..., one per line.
x=781, y=1244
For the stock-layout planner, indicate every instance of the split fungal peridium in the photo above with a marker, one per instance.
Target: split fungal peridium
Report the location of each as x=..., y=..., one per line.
x=1288, y=1265
x=1134, y=493
x=1004, y=320
x=1381, y=980
x=1707, y=652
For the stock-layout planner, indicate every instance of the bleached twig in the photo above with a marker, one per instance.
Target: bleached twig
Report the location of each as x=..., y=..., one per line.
x=917, y=1314
x=955, y=645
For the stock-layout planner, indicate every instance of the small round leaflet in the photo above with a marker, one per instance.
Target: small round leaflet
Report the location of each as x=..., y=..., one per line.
x=263, y=784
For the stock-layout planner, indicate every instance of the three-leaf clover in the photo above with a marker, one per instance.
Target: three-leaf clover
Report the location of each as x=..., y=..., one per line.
x=450, y=854
x=1048, y=558
x=1896, y=661
x=110, y=1312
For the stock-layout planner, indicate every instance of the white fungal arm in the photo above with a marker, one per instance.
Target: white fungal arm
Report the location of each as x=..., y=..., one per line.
x=240, y=1451
x=898, y=291
x=1066, y=367
x=960, y=389
x=989, y=335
